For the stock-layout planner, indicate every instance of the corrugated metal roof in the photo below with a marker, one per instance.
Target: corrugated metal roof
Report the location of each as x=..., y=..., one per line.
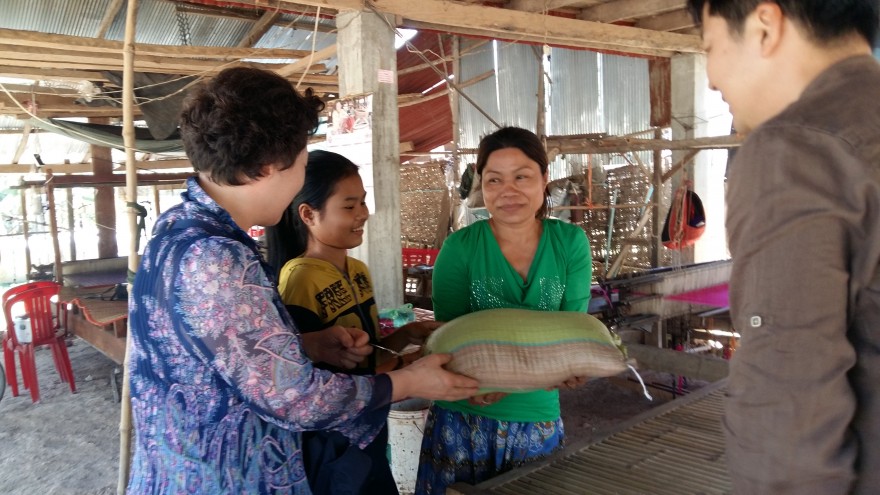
x=70, y=17
x=429, y=124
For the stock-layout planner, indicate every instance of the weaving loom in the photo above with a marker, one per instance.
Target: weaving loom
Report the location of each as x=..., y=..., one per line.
x=675, y=449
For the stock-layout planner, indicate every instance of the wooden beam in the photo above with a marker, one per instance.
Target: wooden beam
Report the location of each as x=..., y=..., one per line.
x=444, y=60
x=620, y=10
x=540, y=5
x=46, y=57
x=67, y=168
x=115, y=180
x=670, y=21
x=414, y=99
x=84, y=168
x=560, y=145
x=500, y=23
x=266, y=21
x=307, y=61
x=22, y=144
x=39, y=73
x=109, y=16
x=61, y=42
x=694, y=366
x=331, y=4
x=40, y=90
x=50, y=106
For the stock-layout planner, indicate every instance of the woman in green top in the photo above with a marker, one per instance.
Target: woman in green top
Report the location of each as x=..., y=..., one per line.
x=518, y=258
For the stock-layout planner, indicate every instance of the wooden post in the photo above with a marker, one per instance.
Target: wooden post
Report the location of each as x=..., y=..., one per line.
x=25, y=230
x=660, y=77
x=53, y=228
x=71, y=223
x=130, y=197
x=105, y=201
x=541, y=124
x=157, y=209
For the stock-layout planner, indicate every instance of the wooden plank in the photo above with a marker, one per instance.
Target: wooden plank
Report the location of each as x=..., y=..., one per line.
x=541, y=5
x=306, y=62
x=694, y=366
x=109, y=16
x=558, y=144
x=670, y=21
x=620, y=10
x=60, y=42
x=500, y=23
x=259, y=29
x=48, y=57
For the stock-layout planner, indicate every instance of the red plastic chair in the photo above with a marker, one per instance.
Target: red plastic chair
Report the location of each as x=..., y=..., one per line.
x=38, y=305
x=21, y=288
x=7, y=349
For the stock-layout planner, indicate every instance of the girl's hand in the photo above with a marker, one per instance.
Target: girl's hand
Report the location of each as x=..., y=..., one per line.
x=339, y=346
x=417, y=332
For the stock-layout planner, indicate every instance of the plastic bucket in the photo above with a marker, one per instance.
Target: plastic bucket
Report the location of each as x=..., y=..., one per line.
x=406, y=425
x=23, y=332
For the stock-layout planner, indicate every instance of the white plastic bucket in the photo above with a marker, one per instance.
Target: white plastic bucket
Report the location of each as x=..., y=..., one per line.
x=406, y=425
x=23, y=332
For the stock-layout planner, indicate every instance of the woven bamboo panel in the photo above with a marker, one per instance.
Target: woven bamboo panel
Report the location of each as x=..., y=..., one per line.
x=678, y=451
x=423, y=193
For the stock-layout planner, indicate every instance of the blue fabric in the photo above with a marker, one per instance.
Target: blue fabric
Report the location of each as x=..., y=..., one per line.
x=459, y=447
x=220, y=385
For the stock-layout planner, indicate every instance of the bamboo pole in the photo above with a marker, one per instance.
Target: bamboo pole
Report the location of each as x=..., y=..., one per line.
x=130, y=198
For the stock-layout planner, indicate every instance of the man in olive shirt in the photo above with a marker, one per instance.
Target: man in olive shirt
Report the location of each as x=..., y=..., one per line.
x=803, y=222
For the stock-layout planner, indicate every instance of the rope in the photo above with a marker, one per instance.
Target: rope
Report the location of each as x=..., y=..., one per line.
x=644, y=388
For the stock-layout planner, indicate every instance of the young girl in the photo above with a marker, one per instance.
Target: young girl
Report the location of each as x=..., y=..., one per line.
x=322, y=286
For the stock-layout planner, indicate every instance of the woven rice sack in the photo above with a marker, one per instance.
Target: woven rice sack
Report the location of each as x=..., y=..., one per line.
x=518, y=350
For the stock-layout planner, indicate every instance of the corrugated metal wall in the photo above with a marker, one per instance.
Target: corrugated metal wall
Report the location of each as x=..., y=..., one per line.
x=588, y=92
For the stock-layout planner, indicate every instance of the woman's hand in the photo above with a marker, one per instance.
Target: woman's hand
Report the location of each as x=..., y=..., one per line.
x=338, y=346
x=486, y=399
x=572, y=383
x=427, y=379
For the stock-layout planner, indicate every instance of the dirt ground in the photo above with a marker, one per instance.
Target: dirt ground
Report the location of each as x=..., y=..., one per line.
x=68, y=444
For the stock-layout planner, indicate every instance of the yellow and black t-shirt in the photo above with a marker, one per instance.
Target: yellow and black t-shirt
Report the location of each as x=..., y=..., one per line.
x=318, y=295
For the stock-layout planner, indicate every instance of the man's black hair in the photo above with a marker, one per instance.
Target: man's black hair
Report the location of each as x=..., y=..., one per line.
x=824, y=20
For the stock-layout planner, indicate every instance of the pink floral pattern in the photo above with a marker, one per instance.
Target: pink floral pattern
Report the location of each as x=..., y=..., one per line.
x=220, y=384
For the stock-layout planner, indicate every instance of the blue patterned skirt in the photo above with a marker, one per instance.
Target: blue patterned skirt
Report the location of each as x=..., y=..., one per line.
x=471, y=448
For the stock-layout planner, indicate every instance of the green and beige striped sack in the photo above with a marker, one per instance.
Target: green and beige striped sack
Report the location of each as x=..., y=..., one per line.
x=518, y=350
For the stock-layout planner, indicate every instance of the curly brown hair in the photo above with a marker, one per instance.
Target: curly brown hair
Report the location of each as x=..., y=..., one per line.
x=243, y=119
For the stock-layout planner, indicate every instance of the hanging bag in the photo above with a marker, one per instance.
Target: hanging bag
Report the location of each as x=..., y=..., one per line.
x=686, y=220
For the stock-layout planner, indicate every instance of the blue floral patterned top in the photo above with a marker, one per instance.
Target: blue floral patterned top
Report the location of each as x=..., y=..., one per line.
x=220, y=384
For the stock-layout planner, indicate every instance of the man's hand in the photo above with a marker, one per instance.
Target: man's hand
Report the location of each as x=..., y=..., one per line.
x=338, y=346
